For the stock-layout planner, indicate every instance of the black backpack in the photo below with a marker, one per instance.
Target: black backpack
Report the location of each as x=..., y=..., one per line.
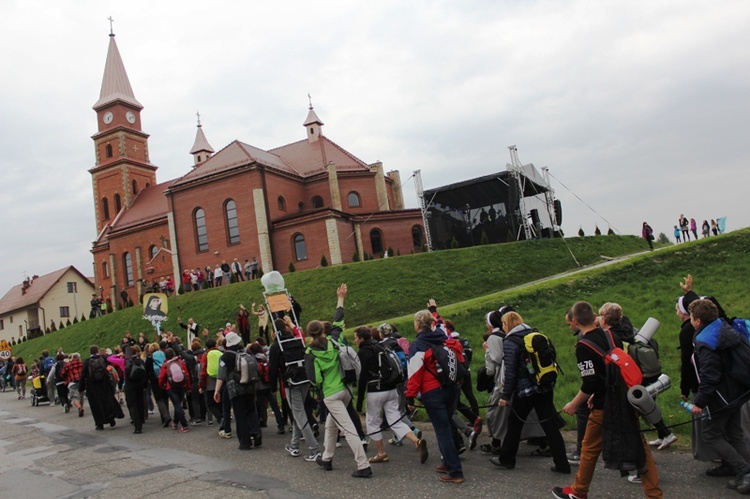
x=390, y=371
x=293, y=355
x=137, y=370
x=97, y=369
x=468, y=352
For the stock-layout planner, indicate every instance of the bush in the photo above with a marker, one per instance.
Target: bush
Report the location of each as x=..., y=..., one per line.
x=83, y=317
x=180, y=290
x=130, y=302
x=52, y=328
x=398, y=252
x=663, y=239
x=610, y=232
x=75, y=320
x=323, y=261
x=484, y=239
x=580, y=232
x=390, y=251
x=355, y=256
x=61, y=326
x=292, y=268
x=260, y=273
x=47, y=331
x=597, y=232
x=454, y=243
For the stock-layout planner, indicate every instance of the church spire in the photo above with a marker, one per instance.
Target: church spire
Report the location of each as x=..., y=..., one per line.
x=201, y=149
x=115, y=83
x=312, y=123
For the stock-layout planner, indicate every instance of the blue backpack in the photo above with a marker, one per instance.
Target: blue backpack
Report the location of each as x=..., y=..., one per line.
x=48, y=363
x=742, y=326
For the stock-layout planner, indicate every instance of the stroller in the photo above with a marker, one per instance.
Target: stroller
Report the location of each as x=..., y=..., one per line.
x=39, y=390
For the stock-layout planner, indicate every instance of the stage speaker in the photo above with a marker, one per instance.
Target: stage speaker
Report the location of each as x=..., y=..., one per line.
x=513, y=196
x=558, y=212
x=534, y=216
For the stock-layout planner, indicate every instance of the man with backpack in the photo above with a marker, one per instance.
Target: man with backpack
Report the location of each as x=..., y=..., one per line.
x=593, y=391
x=721, y=359
x=135, y=388
x=97, y=383
x=438, y=394
x=174, y=378
x=380, y=375
x=238, y=370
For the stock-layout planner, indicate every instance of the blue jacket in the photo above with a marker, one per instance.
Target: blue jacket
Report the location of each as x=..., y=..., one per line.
x=516, y=378
x=715, y=388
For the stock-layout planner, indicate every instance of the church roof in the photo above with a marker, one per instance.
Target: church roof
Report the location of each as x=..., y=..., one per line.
x=201, y=143
x=115, y=82
x=309, y=158
x=39, y=286
x=312, y=117
x=150, y=204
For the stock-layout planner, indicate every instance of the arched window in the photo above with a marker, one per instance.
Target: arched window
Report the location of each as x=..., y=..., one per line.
x=127, y=264
x=301, y=206
x=300, y=247
x=152, y=251
x=354, y=201
x=105, y=209
x=135, y=187
x=105, y=269
x=201, y=234
x=417, y=236
x=282, y=204
x=118, y=204
x=376, y=241
x=233, y=228
x=199, y=158
x=317, y=202
x=148, y=184
x=109, y=150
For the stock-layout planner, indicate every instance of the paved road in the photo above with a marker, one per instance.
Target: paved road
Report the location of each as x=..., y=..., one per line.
x=47, y=453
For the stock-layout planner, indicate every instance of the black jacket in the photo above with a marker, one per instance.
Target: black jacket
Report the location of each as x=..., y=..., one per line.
x=369, y=376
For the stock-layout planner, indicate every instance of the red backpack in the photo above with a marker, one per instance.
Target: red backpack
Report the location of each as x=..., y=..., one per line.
x=628, y=367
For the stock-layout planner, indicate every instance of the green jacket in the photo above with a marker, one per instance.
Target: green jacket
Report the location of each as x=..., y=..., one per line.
x=327, y=372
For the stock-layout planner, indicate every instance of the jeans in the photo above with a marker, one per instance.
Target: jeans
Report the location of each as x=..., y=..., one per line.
x=439, y=404
x=592, y=447
x=175, y=395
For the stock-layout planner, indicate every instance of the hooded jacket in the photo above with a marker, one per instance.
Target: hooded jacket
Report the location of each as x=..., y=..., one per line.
x=422, y=362
x=327, y=372
x=715, y=388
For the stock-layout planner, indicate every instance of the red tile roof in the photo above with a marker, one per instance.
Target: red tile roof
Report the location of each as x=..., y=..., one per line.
x=16, y=299
x=150, y=204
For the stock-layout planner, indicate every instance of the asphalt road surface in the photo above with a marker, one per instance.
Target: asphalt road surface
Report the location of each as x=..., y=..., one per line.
x=47, y=453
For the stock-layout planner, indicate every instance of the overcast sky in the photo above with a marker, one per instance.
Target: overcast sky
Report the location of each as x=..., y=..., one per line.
x=638, y=107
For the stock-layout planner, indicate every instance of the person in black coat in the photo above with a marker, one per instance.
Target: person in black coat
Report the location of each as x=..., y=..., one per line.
x=135, y=389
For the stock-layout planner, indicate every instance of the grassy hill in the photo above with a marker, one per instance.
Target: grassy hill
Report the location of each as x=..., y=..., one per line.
x=467, y=283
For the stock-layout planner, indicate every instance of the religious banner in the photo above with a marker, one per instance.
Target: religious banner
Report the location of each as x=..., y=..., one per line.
x=155, y=309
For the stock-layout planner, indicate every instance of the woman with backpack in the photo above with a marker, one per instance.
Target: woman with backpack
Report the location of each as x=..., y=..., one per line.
x=522, y=393
x=382, y=396
x=20, y=373
x=135, y=388
x=175, y=380
x=154, y=360
x=323, y=365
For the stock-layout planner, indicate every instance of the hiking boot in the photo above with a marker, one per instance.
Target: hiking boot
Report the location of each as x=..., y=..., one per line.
x=567, y=493
x=720, y=471
x=364, y=473
x=326, y=465
x=422, y=450
x=312, y=456
x=450, y=479
x=667, y=441
x=291, y=450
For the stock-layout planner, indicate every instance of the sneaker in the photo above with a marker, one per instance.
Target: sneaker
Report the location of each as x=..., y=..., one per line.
x=422, y=450
x=720, y=471
x=184, y=429
x=634, y=479
x=257, y=440
x=489, y=449
x=210, y=422
x=566, y=493
x=667, y=441
x=281, y=430
x=655, y=443
x=326, y=465
x=473, y=439
x=225, y=434
x=496, y=461
x=151, y=411
x=339, y=445
x=574, y=458
x=365, y=473
x=461, y=449
x=291, y=450
x=312, y=456
x=196, y=422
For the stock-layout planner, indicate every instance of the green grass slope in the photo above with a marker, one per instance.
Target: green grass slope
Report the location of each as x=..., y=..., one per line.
x=378, y=289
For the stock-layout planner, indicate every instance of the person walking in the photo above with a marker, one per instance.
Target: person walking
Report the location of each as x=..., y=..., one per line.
x=648, y=234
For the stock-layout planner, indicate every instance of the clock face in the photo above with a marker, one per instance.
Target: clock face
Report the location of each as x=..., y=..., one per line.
x=130, y=117
x=107, y=118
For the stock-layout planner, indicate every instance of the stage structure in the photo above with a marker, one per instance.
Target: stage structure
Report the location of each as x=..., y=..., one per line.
x=501, y=207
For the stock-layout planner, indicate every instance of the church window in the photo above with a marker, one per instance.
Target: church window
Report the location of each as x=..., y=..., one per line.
x=109, y=150
x=127, y=264
x=376, y=241
x=148, y=184
x=354, y=201
x=118, y=204
x=233, y=228
x=317, y=202
x=301, y=206
x=199, y=158
x=105, y=269
x=135, y=187
x=201, y=234
x=152, y=251
x=282, y=203
x=300, y=247
x=417, y=236
x=105, y=209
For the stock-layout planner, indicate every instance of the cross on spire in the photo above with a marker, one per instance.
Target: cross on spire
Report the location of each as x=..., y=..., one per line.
x=198, y=114
x=111, y=28
x=309, y=100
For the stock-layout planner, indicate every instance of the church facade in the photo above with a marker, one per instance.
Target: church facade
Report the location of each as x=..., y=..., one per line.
x=292, y=205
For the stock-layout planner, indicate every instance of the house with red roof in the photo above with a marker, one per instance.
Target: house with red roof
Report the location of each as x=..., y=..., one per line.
x=40, y=301
x=288, y=206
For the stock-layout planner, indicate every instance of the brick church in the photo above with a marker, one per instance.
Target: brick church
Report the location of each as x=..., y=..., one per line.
x=290, y=205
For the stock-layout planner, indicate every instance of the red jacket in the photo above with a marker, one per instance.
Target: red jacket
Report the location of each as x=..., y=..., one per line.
x=164, y=375
x=422, y=362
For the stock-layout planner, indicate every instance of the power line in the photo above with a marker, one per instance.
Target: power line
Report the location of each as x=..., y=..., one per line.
x=585, y=203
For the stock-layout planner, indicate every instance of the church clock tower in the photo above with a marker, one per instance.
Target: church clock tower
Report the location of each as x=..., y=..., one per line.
x=122, y=166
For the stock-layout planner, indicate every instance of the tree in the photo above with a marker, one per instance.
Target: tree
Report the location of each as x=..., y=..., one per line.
x=61, y=326
x=355, y=257
x=597, y=232
x=390, y=251
x=454, y=243
x=260, y=273
x=323, y=261
x=52, y=327
x=663, y=239
x=292, y=268
x=67, y=323
x=610, y=232
x=75, y=320
x=484, y=240
x=580, y=232
x=83, y=317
